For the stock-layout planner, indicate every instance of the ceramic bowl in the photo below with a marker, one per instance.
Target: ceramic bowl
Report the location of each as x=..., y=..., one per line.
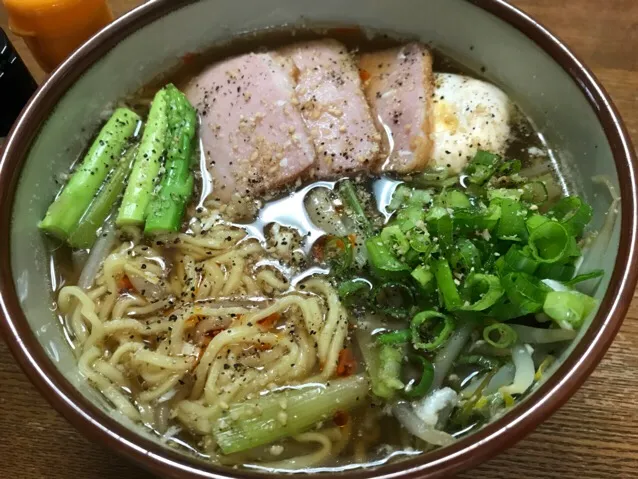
x=551, y=85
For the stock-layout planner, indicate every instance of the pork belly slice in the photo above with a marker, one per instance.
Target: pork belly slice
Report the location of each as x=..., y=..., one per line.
x=334, y=107
x=252, y=131
x=399, y=90
x=469, y=115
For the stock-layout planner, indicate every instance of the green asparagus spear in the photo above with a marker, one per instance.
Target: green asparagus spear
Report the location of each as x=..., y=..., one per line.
x=286, y=413
x=84, y=233
x=146, y=168
x=67, y=209
x=166, y=209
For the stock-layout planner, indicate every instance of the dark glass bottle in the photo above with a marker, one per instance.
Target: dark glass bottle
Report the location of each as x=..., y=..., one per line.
x=16, y=85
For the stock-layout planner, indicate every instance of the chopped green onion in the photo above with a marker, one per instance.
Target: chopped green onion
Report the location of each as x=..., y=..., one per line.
x=465, y=255
x=394, y=298
x=535, y=221
x=420, y=241
x=430, y=330
x=525, y=292
x=556, y=271
x=401, y=336
x=413, y=258
x=511, y=226
x=510, y=168
x=504, y=310
x=444, y=227
x=446, y=284
x=482, y=167
x=568, y=308
x=585, y=277
x=573, y=213
x=477, y=219
x=454, y=199
x=395, y=239
x=383, y=261
x=408, y=218
x=354, y=292
x=505, y=193
x=435, y=213
x=335, y=251
x=439, y=177
x=535, y=192
x=400, y=197
x=550, y=243
x=488, y=287
x=506, y=336
x=516, y=260
x=420, y=198
x=421, y=388
x=404, y=196
x=423, y=276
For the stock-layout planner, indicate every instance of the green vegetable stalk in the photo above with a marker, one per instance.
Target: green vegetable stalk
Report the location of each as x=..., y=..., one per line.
x=67, y=209
x=166, y=208
x=84, y=233
x=286, y=413
x=146, y=167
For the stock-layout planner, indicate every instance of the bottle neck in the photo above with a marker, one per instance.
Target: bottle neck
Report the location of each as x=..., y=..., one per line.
x=16, y=85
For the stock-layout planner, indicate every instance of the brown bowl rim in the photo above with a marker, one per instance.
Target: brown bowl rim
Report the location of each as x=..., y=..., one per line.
x=464, y=454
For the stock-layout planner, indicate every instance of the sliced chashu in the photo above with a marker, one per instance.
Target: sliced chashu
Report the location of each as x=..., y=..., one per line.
x=253, y=134
x=469, y=115
x=334, y=107
x=399, y=89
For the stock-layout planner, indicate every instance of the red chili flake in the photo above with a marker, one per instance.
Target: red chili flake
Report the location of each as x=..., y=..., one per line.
x=341, y=418
x=124, y=285
x=347, y=363
x=269, y=321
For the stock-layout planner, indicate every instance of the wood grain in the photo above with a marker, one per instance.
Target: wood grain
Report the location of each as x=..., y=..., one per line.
x=594, y=436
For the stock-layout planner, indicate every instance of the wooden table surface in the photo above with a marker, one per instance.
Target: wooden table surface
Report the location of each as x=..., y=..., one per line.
x=595, y=435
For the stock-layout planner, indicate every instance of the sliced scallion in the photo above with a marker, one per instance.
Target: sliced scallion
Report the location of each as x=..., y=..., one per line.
x=354, y=292
x=393, y=237
x=512, y=223
x=446, y=284
x=421, y=387
x=488, y=289
x=401, y=336
x=585, y=277
x=568, y=308
x=550, y=243
x=482, y=167
x=573, y=213
x=393, y=298
x=383, y=261
x=525, y=292
x=505, y=335
x=430, y=330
